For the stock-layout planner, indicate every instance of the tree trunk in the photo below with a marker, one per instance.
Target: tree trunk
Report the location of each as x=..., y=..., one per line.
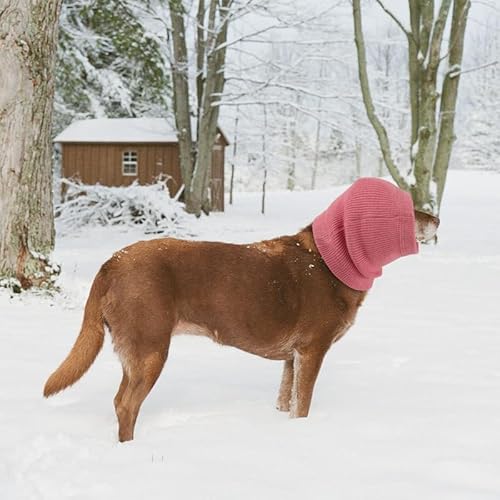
x=200, y=54
x=179, y=64
x=28, y=34
x=196, y=156
x=377, y=125
x=235, y=150
x=316, y=151
x=208, y=121
x=358, y=153
x=431, y=131
x=264, y=162
x=449, y=97
x=293, y=138
x=429, y=36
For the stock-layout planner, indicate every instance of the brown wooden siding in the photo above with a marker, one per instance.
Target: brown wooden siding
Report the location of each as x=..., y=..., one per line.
x=102, y=163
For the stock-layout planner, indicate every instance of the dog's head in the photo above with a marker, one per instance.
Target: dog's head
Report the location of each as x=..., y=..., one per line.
x=426, y=226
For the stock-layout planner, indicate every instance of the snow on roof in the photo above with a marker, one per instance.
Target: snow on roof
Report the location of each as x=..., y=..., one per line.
x=121, y=130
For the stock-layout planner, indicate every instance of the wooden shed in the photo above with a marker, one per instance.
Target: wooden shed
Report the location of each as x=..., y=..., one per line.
x=119, y=151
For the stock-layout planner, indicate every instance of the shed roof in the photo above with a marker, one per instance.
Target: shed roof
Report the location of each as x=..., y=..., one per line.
x=118, y=130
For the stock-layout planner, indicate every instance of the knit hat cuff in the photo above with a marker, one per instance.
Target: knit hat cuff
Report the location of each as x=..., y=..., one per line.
x=334, y=253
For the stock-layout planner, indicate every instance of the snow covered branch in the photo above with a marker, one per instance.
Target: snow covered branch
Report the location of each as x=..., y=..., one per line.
x=149, y=207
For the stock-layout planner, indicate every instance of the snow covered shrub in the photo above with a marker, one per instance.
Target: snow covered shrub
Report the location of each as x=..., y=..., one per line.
x=147, y=206
x=11, y=284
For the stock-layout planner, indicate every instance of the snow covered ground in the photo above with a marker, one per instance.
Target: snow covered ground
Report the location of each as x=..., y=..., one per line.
x=407, y=405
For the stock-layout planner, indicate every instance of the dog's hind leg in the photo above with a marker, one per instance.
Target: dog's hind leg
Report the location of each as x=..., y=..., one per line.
x=306, y=368
x=121, y=390
x=142, y=375
x=285, y=394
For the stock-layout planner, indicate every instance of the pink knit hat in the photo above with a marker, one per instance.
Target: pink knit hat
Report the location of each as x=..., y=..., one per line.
x=365, y=228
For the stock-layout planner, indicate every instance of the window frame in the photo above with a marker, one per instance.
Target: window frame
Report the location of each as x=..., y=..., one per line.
x=132, y=160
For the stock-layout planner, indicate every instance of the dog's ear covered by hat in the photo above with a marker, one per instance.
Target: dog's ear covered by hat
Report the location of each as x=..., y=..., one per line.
x=368, y=226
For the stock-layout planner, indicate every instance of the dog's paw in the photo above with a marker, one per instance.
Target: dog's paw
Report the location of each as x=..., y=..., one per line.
x=283, y=405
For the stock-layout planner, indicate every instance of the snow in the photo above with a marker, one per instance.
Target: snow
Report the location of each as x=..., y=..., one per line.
x=454, y=70
x=150, y=206
x=406, y=405
x=156, y=130
x=122, y=130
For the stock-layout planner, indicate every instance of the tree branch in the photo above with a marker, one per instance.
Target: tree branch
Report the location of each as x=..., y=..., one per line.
x=434, y=50
x=368, y=101
x=476, y=68
x=394, y=18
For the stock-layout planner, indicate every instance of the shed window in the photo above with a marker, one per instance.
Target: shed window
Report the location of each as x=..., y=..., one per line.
x=129, y=163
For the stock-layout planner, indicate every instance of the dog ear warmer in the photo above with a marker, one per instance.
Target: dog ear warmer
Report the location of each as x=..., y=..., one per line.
x=368, y=226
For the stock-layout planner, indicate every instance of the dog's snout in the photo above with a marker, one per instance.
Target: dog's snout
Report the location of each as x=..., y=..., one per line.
x=426, y=226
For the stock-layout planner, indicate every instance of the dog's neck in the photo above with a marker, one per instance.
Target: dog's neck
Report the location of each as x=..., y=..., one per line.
x=306, y=239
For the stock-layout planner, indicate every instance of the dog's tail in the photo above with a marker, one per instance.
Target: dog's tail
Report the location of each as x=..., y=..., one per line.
x=87, y=345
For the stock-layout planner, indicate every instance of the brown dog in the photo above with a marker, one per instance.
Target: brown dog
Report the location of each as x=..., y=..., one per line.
x=275, y=298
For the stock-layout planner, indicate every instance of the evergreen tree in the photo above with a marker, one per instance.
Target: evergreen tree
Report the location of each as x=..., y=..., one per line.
x=111, y=62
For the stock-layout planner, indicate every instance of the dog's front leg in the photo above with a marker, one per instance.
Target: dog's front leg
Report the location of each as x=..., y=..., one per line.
x=306, y=367
x=285, y=394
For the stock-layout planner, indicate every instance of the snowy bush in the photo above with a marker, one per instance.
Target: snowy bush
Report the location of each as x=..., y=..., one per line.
x=148, y=206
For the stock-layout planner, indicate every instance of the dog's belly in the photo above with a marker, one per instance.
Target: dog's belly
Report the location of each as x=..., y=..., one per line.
x=281, y=349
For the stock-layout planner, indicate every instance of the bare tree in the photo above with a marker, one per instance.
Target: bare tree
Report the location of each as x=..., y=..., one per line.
x=479, y=143
x=432, y=102
x=235, y=152
x=212, y=20
x=293, y=79
x=264, y=160
x=28, y=31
